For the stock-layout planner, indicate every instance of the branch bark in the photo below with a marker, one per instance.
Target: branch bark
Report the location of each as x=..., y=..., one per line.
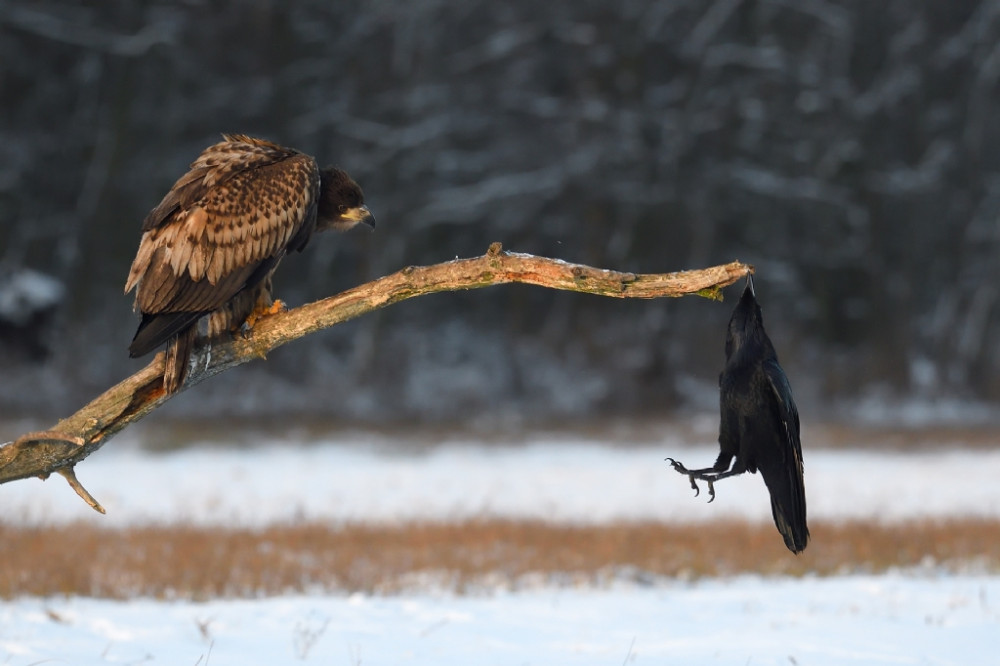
x=76, y=437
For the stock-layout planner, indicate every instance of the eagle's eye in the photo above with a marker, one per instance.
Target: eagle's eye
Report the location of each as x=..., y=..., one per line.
x=342, y=208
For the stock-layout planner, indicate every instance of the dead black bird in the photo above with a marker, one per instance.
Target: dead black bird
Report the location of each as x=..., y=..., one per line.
x=760, y=423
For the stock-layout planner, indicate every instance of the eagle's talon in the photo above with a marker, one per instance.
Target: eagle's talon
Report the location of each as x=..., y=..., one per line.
x=277, y=307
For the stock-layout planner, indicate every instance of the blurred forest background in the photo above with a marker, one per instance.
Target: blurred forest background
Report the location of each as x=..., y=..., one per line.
x=849, y=149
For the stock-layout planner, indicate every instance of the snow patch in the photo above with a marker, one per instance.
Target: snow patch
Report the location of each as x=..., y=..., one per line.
x=566, y=482
x=26, y=292
x=883, y=620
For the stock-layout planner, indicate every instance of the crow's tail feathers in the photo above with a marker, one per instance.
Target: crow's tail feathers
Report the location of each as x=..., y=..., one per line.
x=788, y=504
x=792, y=526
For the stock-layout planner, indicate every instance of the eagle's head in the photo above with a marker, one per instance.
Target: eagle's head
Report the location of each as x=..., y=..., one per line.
x=341, y=202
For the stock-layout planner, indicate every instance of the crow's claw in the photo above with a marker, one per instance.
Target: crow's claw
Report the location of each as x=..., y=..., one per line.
x=699, y=474
x=681, y=469
x=677, y=465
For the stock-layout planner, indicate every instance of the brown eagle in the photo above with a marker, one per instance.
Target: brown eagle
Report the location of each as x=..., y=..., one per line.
x=214, y=241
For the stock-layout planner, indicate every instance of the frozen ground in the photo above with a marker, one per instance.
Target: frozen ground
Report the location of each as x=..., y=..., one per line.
x=918, y=617
x=366, y=481
x=889, y=620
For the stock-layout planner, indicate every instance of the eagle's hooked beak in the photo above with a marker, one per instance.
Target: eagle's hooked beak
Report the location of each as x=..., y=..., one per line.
x=359, y=215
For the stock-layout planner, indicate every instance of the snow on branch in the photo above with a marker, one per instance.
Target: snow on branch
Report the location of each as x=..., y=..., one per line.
x=76, y=437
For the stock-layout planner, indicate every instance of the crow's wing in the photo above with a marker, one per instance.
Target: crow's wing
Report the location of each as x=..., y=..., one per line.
x=782, y=468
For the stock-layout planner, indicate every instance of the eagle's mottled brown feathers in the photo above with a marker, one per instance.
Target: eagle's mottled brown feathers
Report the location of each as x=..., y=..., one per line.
x=220, y=232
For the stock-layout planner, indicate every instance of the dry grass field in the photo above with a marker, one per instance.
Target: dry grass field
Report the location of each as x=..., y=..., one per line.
x=201, y=563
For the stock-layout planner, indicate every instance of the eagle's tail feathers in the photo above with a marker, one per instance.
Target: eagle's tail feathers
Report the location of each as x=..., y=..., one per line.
x=175, y=365
x=156, y=329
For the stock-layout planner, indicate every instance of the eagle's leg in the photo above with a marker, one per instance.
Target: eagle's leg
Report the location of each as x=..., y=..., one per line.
x=274, y=308
x=264, y=306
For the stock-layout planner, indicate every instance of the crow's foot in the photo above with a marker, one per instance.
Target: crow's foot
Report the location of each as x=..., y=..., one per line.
x=700, y=475
x=681, y=469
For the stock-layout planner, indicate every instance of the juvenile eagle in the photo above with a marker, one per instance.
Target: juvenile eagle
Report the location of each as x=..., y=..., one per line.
x=211, y=246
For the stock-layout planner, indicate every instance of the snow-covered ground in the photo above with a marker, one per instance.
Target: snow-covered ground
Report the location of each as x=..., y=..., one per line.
x=367, y=481
x=916, y=617
x=888, y=620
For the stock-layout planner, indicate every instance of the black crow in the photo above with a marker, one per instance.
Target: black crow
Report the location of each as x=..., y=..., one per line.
x=760, y=423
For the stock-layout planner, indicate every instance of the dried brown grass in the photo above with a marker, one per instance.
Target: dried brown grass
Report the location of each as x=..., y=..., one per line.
x=200, y=563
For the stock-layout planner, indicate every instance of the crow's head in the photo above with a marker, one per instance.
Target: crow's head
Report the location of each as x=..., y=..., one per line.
x=746, y=326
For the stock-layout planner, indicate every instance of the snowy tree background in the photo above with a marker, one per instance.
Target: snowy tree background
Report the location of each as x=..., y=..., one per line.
x=849, y=149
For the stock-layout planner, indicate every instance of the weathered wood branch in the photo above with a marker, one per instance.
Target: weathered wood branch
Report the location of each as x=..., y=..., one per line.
x=77, y=436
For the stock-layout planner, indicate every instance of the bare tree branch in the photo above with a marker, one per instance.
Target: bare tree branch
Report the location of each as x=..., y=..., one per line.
x=77, y=436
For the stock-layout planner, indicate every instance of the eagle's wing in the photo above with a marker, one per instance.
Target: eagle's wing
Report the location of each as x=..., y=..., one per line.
x=216, y=164
x=222, y=228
